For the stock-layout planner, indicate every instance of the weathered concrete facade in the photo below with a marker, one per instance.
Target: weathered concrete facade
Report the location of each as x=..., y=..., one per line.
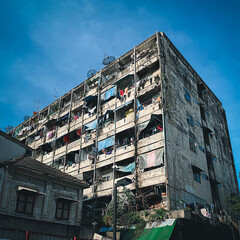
x=30, y=190
x=148, y=116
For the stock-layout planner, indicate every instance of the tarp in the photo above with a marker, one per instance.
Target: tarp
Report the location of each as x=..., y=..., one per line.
x=129, y=168
x=106, y=143
x=151, y=159
x=110, y=93
x=90, y=98
x=90, y=126
x=155, y=119
x=163, y=232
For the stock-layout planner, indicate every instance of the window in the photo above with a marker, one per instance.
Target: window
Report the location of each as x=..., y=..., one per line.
x=62, y=210
x=25, y=202
x=198, y=123
x=189, y=119
x=192, y=145
x=187, y=95
x=197, y=177
x=204, y=176
x=201, y=149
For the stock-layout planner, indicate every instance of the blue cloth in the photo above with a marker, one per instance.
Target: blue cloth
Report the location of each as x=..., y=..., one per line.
x=103, y=229
x=124, y=105
x=90, y=126
x=106, y=143
x=110, y=93
x=129, y=168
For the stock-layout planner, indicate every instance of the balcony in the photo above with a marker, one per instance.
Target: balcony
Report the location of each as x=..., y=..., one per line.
x=152, y=177
x=150, y=143
x=129, y=97
x=88, y=118
x=60, y=152
x=90, y=141
x=39, y=142
x=62, y=130
x=76, y=124
x=125, y=123
x=110, y=105
x=74, y=146
x=147, y=60
x=145, y=114
x=92, y=92
x=126, y=71
x=47, y=157
x=77, y=103
x=105, y=188
x=106, y=132
x=64, y=111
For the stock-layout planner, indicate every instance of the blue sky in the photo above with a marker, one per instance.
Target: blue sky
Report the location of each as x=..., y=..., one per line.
x=47, y=47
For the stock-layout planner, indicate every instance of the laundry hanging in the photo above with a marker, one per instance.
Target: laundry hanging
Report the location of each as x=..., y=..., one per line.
x=108, y=94
x=106, y=143
x=151, y=159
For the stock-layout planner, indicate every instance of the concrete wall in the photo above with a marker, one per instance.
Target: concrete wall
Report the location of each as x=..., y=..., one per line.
x=178, y=76
x=9, y=149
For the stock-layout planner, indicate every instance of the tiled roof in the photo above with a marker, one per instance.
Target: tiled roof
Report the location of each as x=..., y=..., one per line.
x=36, y=166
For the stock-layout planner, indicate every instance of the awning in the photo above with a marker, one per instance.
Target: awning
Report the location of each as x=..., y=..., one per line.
x=65, y=198
x=163, y=231
x=90, y=126
x=20, y=188
x=90, y=98
x=129, y=168
x=155, y=119
x=62, y=118
x=151, y=159
x=110, y=93
x=124, y=105
x=197, y=169
x=106, y=143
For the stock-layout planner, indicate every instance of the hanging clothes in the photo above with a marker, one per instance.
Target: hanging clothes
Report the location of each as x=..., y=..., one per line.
x=121, y=92
x=66, y=138
x=79, y=132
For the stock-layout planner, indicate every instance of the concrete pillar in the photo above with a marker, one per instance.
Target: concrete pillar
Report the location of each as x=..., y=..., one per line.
x=48, y=190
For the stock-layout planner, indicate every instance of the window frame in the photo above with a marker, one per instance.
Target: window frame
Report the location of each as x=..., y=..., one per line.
x=192, y=145
x=26, y=194
x=187, y=95
x=64, y=203
x=190, y=120
x=197, y=176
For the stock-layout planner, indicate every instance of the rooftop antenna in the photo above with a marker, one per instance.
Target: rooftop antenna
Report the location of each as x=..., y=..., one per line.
x=36, y=104
x=91, y=72
x=108, y=59
x=55, y=97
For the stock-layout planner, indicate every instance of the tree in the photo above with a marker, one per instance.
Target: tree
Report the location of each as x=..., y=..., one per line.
x=233, y=206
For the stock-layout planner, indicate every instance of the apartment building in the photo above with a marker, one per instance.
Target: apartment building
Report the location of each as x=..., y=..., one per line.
x=147, y=116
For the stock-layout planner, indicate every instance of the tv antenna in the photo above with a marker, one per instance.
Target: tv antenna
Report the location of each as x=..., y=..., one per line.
x=8, y=128
x=91, y=72
x=108, y=59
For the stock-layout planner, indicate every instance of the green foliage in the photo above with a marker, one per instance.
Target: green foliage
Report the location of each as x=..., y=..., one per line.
x=108, y=219
x=233, y=205
x=139, y=227
x=158, y=215
x=146, y=213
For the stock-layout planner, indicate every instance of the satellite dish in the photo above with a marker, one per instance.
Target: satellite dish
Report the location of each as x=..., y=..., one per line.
x=26, y=118
x=107, y=60
x=8, y=128
x=91, y=72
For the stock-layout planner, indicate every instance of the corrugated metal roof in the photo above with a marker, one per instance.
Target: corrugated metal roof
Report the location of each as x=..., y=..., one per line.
x=36, y=166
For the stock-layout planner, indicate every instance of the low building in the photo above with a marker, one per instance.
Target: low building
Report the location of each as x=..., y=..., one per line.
x=37, y=199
